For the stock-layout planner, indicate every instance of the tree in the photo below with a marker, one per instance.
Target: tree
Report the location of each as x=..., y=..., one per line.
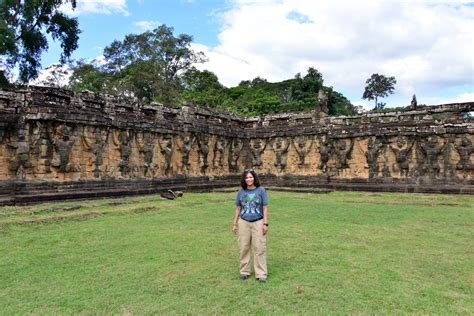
x=88, y=77
x=203, y=88
x=378, y=86
x=148, y=65
x=23, y=29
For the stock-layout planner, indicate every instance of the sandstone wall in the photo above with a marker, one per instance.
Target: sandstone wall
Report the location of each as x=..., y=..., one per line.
x=56, y=136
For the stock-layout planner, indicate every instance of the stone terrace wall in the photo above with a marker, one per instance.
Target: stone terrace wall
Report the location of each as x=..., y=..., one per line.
x=87, y=140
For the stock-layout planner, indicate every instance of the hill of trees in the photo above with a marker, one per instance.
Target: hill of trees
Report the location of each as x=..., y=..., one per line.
x=157, y=66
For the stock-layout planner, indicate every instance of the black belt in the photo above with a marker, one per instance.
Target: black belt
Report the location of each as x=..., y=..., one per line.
x=253, y=220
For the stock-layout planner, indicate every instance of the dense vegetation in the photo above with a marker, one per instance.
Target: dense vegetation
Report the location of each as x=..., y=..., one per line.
x=157, y=66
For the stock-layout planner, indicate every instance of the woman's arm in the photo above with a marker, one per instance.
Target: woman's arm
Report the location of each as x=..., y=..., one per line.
x=236, y=217
x=265, y=219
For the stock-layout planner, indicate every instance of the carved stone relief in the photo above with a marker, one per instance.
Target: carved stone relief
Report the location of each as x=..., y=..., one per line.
x=45, y=138
x=374, y=147
x=146, y=148
x=280, y=147
x=203, y=144
x=125, y=148
x=464, y=149
x=432, y=150
x=257, y=146
x=187, y=141
x=235, y=147
x=302, y=146
x=219, y=149
x=63, y=141
x=323, y=101
x=402, y=152
x=19, y=146
x=325, y=151
x=42, y=149
x=343, y=153
x=96, y=143
x=166, y=148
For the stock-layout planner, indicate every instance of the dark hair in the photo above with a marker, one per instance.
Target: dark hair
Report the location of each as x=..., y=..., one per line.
x=256, y=181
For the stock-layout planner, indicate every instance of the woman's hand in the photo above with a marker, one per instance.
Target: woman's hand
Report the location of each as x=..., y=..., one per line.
x=264, y=229
x=234, y=228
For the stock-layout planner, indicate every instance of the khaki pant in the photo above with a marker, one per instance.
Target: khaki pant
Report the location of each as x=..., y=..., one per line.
x=252, y=238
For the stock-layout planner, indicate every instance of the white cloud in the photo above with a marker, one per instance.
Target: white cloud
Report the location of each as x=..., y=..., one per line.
x=97, y=6
x=56, y=75
x=426, y=45
x=463, y=97
x=147, y=25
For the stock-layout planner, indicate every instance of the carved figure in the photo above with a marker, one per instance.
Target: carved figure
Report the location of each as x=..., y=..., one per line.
x=464, y=149
x=125, y=152
x=325, y=152
x=371, y=155
x=402, y=155
x=280, y=146
x=20, y=144
x=257, y=146
x=42, y=147
x=187, y=143
x=146, y=147
x=96, y=145
x=302, y=146
x=235, y=147
x=414, y=103
x=166, y=147
x=432, y=151
x=219, y=152
x=63, y=147
x=343, y=153
x=323, y=101
x=203, y=144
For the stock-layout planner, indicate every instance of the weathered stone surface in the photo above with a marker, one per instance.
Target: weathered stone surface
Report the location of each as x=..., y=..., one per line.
x=55, y=136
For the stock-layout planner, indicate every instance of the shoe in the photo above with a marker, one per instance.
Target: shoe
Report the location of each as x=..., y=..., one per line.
x=262, y=280
x=244, y=277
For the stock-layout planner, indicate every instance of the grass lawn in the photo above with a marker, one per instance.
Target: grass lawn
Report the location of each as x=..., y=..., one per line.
x=336, y=253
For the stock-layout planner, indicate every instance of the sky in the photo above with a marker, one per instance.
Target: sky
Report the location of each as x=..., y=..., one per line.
x=428, y=46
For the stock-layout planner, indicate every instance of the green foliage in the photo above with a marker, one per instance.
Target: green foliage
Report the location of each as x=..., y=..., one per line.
x=88, y=77
x=157, y=66
x=145, y=66
x=378, y=86
x=203, y=88
x=258, y=96
x=4, y=82
x=338, y=253
x=23, y=29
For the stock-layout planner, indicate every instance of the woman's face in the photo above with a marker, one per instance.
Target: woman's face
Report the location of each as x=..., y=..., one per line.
x=249, y=179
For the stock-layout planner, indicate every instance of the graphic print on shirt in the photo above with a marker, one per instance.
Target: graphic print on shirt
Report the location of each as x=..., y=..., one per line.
x=251, y=204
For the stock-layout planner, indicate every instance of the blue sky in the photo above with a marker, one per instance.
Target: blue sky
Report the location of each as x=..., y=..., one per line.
x=427, y=45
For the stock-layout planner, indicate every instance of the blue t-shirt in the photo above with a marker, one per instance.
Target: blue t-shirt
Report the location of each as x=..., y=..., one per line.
x=251, y=203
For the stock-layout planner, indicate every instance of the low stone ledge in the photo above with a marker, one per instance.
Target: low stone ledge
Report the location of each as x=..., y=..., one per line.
x=13, y=192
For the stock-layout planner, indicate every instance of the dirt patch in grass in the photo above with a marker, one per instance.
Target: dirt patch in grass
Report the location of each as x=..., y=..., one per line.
x=138, y=210
x=37, y=220
x=77, y=217
x=115, y=203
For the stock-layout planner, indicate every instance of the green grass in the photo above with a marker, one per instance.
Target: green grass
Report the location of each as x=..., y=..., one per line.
x=337, y=253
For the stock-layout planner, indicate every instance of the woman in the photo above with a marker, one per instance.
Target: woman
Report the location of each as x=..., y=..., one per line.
x=251, y=216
